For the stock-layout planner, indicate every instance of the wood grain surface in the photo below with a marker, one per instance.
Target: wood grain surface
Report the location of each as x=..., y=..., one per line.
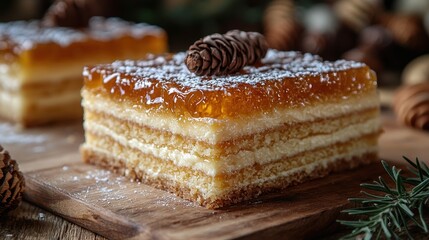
x=32, y=223
x=116, y=208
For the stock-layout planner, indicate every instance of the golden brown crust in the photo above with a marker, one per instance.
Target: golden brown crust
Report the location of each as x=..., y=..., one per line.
x=232, y=197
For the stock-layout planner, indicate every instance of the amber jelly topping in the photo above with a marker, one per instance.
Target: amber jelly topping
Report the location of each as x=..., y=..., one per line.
x=19, y=36
x=283, y=79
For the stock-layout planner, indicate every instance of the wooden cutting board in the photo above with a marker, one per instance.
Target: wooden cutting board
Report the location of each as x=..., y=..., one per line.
x=116, y=208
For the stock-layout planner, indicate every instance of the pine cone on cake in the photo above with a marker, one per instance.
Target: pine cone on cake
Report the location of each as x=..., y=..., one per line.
x=357, y=14
x=76, y=13
x=411, y=105
x=218, y=54
x=282, y=30
x=11, y=183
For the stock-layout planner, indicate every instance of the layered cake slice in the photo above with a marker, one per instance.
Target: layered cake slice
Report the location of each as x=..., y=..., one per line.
x=41, y=67
x=220, y=140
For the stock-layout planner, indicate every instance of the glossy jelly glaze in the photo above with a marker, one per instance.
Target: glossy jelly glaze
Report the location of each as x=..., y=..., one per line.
x=282, y=79
x=34, y=41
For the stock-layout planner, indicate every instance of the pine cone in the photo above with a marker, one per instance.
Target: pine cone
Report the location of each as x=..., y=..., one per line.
x=282, y=30
x=357, y=14
x=411, y=105
x=407, y=30
x=11, y=183
x=223, y=54
x=416, y=71
x=76, y=13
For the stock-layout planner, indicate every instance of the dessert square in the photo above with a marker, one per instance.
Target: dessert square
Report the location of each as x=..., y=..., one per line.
x=220, y=140
x=41, y=67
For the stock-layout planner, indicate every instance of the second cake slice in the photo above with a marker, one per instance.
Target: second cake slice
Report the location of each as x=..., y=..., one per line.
x=41, y=67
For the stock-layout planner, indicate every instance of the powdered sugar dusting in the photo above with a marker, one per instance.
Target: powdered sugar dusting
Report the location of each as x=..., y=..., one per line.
x=9, y=135
x=107, y=188
x=276, y=65
x=24, y=35
x=170, y=200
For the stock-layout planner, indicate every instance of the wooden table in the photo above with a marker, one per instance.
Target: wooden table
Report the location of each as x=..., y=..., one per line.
x=29, y=221
x=32, y=222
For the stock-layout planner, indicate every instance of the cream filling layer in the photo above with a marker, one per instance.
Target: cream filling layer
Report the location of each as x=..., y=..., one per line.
x=214, y=131
x=9, y=77
x=244, y=158
x=18, y=78
x=17, y=103
x=210, y=189
x=309, y=168
x=57, y=100
x=11, y=105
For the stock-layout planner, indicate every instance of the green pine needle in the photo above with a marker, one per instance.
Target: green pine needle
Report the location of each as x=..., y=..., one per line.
x=390, y=213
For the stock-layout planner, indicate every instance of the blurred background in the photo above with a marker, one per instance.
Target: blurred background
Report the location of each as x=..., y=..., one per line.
x=385, y=34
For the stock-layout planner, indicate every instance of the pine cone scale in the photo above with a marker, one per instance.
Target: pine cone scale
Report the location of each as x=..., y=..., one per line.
x=216, y=56
x=224, y=59
x=193, y=61
x=227, y=48
x=11, y=183
x=423, y=122
x=411, y=105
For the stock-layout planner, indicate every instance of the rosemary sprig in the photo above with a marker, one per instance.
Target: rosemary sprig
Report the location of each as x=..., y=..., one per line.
x=392, y=210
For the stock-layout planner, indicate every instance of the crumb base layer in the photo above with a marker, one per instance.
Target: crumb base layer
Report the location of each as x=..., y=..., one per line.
x=237, y=195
